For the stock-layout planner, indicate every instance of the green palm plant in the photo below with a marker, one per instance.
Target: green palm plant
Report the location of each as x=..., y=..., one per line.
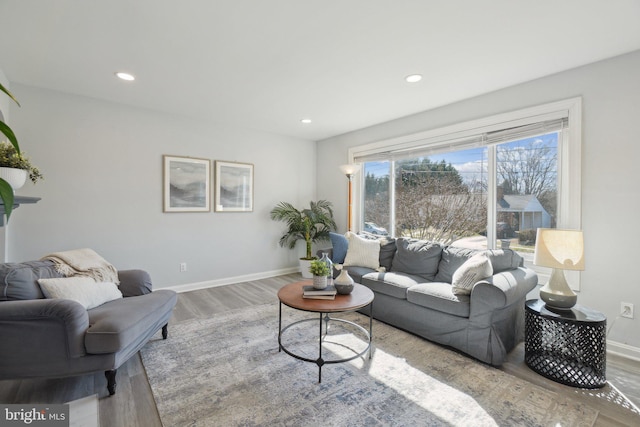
x=6, y=192
x=311, y=225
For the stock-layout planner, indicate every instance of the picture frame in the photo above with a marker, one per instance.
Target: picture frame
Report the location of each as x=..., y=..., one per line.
x=186, y=184
x=234, y=187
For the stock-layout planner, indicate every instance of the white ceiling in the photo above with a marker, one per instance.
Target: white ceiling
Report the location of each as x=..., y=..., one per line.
x=266, y=64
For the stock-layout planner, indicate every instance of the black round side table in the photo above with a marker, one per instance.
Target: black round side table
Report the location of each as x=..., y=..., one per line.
x=566, y=346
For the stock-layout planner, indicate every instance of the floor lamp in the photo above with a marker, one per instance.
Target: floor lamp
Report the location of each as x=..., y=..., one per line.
x=349, y=170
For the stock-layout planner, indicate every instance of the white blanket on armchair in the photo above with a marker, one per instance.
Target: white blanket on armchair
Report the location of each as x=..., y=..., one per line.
x=84, y=262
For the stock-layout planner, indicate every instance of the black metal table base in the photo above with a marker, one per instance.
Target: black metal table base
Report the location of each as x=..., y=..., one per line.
x=320, y=361
x=567, y=346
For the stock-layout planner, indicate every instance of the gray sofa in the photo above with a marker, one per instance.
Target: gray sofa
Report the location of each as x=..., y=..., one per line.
x=59, y=337
x=414, y=293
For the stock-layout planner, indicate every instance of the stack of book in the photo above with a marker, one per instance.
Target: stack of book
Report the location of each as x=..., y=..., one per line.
x=327, y=293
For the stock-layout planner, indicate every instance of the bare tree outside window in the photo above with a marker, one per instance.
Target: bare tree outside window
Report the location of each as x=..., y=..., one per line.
x=433, y=202
x=444, y=197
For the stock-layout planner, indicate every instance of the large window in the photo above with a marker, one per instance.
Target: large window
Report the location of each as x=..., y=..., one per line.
x=482, y=184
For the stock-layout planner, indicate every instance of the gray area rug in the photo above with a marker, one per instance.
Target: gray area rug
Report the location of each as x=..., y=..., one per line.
x=227, y=371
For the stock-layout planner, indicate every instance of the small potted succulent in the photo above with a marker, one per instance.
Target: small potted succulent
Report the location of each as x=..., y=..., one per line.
x=320, y=271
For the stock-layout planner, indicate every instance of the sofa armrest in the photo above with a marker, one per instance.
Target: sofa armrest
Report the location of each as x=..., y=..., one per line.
x=502, y=289
x=134, y=283
x=40, y=331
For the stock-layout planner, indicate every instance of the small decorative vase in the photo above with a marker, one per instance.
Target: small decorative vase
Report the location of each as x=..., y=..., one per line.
x=344, y=283
x=325, y=259
x=15, y=177
x=319, y=282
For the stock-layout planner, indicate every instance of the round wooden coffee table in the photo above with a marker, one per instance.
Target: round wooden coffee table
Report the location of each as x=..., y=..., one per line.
x=291, y=296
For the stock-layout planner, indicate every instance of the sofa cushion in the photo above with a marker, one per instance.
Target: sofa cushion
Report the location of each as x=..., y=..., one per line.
x=504, y=259
x=390, y=283
x=134, y=283
x=439, y=296
x=83, y=290
x=362, y=252
x=453, y=257
x=476, y=268
x=417, y=257
x=19, y=281
x=339, y=245
x=120, y=323
x=388, y=250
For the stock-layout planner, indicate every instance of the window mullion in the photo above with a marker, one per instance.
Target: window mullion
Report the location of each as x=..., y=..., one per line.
x=392, y=198
x=492, y=201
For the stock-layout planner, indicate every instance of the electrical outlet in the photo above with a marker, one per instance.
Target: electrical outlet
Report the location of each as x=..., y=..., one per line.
x=626, y=310
x=183, y=267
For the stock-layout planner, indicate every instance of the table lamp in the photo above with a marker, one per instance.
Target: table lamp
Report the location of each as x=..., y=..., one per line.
x=349, y=170
x=559, y=250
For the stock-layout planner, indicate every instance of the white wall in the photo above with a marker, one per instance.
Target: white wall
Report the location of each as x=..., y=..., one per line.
x=103, y=189
x=610, y=164
x=4, y=99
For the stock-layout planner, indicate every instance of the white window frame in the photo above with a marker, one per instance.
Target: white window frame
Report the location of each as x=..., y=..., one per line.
x=569, y=158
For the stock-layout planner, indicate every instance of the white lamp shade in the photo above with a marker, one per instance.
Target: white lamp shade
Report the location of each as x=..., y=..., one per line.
x=562, y=249
x=350, y=169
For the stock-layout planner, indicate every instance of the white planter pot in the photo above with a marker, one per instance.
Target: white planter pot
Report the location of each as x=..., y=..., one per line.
x=15, y=177
x=304, y=268
x=319, y=282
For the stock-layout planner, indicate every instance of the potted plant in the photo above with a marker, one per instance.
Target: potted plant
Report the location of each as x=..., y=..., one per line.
x=11, y=157
x=319, y=270
x=18, y=165
x=311, y=225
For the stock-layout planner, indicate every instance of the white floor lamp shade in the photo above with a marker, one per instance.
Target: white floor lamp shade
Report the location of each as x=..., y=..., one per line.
x=560, y=250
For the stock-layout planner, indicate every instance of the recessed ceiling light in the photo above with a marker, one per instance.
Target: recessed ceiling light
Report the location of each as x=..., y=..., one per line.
x=305, y=121
x=413, y=78
x=125, y=76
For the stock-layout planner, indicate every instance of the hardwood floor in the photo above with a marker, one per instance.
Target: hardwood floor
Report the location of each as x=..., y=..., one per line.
x=133, y=403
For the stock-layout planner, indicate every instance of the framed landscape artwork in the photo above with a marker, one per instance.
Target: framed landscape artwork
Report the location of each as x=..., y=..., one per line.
x=187, y=185
x=234, y=187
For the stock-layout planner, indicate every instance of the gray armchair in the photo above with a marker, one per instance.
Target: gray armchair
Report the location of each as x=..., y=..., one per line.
x=60, y=338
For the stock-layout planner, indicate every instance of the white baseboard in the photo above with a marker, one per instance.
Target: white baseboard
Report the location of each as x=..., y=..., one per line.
x=623, y=350
x=186, y=287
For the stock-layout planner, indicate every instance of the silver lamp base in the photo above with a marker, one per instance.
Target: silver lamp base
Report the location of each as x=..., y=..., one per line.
x=557, y=293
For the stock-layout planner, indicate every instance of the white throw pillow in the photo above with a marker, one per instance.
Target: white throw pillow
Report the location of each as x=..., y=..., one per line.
x=84, y=290
x=474, y=269
x=362, y=252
